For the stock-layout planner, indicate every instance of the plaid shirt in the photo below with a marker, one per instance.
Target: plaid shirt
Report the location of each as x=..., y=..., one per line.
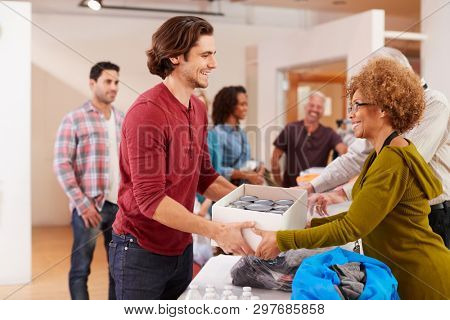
x=81, y=156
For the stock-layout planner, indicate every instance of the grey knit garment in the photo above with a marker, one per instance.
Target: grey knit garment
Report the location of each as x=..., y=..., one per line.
x=296, y=257
x=353, y=279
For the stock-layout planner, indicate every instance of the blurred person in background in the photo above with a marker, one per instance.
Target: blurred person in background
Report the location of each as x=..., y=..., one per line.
x=227, y=137
x=306, y=143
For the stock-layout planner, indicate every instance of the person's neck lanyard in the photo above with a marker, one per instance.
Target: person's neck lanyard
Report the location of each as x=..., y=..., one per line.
x=389, y=139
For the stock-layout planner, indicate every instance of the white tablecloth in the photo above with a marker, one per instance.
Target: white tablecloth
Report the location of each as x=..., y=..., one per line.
x=217, y=272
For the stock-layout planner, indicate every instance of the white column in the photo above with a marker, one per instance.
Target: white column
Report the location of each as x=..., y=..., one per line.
x=15, y=131
x=435, y=50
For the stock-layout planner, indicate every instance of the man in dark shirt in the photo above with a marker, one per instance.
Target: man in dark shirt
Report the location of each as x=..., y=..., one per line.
x=164, y=161
x=306, y=143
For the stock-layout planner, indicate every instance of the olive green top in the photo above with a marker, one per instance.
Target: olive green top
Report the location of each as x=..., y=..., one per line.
x=390, y=213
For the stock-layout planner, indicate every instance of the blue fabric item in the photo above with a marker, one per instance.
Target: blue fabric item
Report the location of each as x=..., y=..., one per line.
x=314, y=279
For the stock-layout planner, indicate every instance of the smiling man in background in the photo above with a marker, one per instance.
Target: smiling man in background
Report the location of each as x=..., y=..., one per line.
x=306, y=143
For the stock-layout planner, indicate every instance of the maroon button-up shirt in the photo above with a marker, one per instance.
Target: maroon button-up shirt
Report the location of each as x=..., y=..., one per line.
x=163, y=152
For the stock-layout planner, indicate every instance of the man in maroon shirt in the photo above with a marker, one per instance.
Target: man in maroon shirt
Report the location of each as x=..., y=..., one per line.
x=306, y=143
x=164, y=161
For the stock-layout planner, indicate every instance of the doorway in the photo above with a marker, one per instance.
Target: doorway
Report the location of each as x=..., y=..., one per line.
x=328, y=78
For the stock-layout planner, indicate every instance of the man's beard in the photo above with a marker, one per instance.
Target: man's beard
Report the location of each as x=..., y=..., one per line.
x=195, y=83
x=107, y=100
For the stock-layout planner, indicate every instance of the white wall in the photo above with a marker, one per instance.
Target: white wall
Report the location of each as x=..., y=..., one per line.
x=63, y=49
x=435, y=49
x=15, y=180
x=351, y=38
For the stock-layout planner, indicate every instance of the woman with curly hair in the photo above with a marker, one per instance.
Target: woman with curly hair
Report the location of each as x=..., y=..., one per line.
x=390, y=198
x=229, y=108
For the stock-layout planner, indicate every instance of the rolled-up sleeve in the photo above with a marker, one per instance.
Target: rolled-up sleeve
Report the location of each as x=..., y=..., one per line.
x=281, y=142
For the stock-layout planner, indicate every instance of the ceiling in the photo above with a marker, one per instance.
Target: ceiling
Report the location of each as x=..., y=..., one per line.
x=396, y=7
x=409, y=8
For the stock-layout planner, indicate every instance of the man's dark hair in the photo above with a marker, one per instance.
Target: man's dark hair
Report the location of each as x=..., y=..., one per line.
x=175, y=37
x=97, y=69
x=225, y=103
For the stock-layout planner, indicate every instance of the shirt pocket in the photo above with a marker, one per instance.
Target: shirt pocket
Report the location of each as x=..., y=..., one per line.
x=89, y=135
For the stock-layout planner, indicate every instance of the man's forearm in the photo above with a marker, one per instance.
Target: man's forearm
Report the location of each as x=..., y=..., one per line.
x=172, y=214
x=276, y=174
x=275, y=164
x=219, y=188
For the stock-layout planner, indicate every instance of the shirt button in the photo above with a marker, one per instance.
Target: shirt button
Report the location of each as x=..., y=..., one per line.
x=131, y=240
x=126, y=248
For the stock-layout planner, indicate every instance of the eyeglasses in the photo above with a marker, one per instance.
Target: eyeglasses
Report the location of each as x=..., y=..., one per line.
x=356, y=105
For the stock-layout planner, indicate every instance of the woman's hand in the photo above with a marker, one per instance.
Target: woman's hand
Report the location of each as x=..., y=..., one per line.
x=254, y=177
x=320, y=201
x=267, y=248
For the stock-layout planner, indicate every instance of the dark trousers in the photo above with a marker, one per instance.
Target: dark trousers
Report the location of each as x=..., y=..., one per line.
x=142, y=275
x=84, y=240
x=440, y=223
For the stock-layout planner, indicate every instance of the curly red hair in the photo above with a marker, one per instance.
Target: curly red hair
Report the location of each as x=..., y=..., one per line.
x=393, y=87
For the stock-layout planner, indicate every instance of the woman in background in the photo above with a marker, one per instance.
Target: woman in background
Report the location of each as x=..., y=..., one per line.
x=229, y=108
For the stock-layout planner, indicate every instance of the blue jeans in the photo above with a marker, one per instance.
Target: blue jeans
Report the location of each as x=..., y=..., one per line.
x=84, y=240
x=142, y=275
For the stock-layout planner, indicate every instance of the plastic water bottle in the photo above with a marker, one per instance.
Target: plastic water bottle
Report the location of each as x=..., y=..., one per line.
x=246, y=295
x=193, y=293
x=246, y=290
x=210, y=286
x=228, y=287
x=226, y=294
x=210, y=294
x=254, y=298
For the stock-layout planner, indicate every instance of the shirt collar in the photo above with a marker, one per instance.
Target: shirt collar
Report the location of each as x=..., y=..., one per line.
x=90, y=107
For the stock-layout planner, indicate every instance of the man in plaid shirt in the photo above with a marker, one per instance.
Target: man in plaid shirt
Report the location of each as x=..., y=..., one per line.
x=86, y=163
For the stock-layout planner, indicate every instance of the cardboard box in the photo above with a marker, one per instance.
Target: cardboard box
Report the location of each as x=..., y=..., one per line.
x=294, y=218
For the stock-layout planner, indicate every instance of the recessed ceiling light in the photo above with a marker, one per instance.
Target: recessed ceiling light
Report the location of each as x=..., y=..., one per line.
x=95, y=4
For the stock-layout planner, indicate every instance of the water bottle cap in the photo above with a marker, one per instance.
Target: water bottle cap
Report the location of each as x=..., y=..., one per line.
x=247, y=289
